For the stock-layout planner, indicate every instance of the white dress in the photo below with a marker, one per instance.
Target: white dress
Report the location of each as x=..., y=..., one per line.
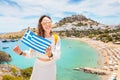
x=45, y=70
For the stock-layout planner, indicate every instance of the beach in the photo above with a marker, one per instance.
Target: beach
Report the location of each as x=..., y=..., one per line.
x=110, y=56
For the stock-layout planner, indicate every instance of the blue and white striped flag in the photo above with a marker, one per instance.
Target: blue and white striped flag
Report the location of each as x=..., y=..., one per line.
x=35, y=42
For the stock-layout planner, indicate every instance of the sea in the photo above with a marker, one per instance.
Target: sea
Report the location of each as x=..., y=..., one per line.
x=74, y=54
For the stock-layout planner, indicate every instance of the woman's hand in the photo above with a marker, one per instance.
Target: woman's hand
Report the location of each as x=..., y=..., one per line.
x=49, y=52
x=17, y=49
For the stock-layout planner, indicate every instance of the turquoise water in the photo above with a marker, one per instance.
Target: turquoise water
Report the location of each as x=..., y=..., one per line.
x=74, y=54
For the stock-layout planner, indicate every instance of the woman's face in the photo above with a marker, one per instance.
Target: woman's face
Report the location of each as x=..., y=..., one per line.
x=46, y=23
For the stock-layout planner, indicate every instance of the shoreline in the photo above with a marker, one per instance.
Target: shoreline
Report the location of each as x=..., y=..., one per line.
x=107, y=53
x=100, y=59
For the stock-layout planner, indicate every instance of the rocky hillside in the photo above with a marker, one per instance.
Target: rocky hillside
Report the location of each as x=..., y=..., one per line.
x=14, y=35
x=77, y=20
x=80, y=23
x=10, y=72
x=80, y=26
x=6, y=69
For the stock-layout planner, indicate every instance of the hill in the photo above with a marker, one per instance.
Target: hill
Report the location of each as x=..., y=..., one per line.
x=15, y=35
x=78, y=20
x=80, y=23
x=81, y=26
x=78, y=26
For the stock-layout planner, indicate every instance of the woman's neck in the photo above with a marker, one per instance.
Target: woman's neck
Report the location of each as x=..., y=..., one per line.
x=47, y=35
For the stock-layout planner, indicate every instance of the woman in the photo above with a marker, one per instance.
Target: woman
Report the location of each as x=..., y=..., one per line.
x=45, y=66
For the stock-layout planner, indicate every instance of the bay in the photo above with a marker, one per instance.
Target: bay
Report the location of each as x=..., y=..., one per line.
x=74, y=53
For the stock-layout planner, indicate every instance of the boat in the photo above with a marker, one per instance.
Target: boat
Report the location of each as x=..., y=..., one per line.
x=5, y=41
x=5, y=47
x=13, y=40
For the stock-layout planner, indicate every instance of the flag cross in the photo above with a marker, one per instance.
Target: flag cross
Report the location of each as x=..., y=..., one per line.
x=35, y=42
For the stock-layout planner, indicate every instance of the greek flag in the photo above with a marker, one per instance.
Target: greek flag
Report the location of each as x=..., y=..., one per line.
x=35, y=42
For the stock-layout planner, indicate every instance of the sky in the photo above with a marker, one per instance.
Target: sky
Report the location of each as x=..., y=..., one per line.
x=16, y=15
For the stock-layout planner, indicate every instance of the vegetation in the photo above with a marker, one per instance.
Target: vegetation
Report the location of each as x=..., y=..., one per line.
x=14, y=71
x=103, y=35
x=81, y=24
x=10, y=77
x=4, y=57
x=26, y=73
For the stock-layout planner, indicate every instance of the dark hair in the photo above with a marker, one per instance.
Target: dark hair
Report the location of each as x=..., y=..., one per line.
x=41, y=31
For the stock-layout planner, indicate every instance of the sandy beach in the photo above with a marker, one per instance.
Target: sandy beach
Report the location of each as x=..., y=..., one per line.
x=110, y=56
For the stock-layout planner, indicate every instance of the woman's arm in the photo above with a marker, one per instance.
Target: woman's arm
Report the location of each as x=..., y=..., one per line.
x=27, y=54
x=38, y=55
x=57, y=50
x=31, y=53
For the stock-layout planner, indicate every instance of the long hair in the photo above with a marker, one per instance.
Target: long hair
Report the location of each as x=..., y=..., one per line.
x=41, y=31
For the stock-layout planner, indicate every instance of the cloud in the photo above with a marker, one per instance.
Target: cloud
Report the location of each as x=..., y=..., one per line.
x=10, y=3
x=25, y=12
x=11, y=24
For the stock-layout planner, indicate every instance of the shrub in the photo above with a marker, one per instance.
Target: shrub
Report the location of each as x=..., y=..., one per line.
x=26, y=73
x=9, y=77
x=4, y=57
x=14, y=70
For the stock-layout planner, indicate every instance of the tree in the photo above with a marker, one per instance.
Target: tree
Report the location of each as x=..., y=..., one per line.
x=4, y=57
x=68, y=33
